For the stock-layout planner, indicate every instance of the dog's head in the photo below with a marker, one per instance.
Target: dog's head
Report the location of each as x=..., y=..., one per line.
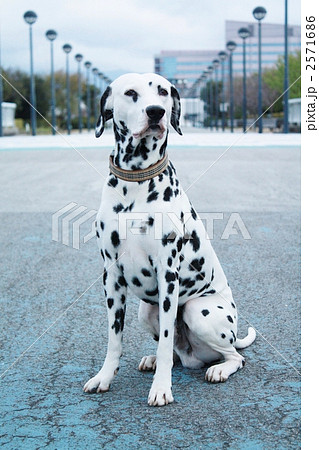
x=144, y=104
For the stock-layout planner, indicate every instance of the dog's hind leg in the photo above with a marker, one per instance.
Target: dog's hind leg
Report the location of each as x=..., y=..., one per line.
x=148, y=316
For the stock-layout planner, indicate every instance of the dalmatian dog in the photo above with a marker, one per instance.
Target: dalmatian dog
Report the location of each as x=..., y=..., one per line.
x=163, y=255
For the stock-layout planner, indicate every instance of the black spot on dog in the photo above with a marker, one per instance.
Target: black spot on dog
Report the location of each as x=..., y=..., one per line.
x=169, y=262
x=97, y=234
x=102, y=255
x=151, y=185
x=166, y=304
x=118, y=208
x=168, y=238
x=174, y=253
x=107, y=254
x=122, y=281
x=113, y=182
x=195, y=241
x=124, y=190
x=170, y=288
x=230, y=319
x=118, y=324
x=220, y=307
x=150, y=221
x=179, y=244
x=110, y=302
x=102, y=225
x=170, y=276
x=150, y=83
x=193, y=212
x=104, y=276
x=223, y=335
x=115, y=239
x=167, y=194
x=123, y=298
x=182, y=293
x=233, y=305
x=233, y=335
x=192, y=292
x=205, y=312
x=146, y=273
x=150, y=260
x=231, y=340
x=136, y=282
x=166, y=333
x=152, y=197
x=196, y=264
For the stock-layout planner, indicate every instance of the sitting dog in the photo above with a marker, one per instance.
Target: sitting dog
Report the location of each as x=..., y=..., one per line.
x=165, y=258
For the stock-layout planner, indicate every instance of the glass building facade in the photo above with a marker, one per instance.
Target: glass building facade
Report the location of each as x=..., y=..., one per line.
x=186, y=66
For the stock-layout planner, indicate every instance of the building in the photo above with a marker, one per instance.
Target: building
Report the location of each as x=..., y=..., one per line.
x=184, y=67
x=273, y=44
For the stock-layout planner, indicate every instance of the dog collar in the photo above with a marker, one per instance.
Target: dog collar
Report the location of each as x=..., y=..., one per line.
x=139, y=174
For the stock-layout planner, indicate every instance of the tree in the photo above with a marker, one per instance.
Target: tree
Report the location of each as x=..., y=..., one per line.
x=274, y=78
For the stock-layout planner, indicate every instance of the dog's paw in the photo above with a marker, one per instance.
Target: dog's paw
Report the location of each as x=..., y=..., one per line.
x=160, y=396
x=97, y=384
x=216, y=374
x=147, y=363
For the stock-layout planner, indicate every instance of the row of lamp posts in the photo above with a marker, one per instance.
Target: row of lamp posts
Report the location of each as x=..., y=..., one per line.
x=30, y=17
x=258, y=13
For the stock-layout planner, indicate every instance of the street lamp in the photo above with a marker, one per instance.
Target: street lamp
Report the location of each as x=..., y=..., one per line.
x=244, y=33
x=286, y=76
x=211, y=95
x=223, y=56
x=215, y=66
x=67, y=49
x=87, y=65
x=231, y=45
x=30, y=17
x=51, y=36
x=78, y=58
x=259, y=13
x=95, y=75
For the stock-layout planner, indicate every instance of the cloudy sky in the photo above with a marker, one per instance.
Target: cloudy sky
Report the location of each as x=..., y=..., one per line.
x=120, y=36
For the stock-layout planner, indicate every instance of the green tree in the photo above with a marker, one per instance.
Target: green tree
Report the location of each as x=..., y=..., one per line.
x=274, y=78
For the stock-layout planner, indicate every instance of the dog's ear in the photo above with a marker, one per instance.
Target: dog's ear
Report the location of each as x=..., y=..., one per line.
x=106, y=111
x=176, y=110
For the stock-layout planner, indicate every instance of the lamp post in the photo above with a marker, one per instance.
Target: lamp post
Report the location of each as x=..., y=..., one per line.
x=95, y=74
x=78, y=58
x=286, y=79
x=222, y=57
x=88, y=65
x=244, y=33
x=30, y=17
x=211, y=95
x=259, y=13
x=67, y=49
x=101, y=77
x=231, y=45
x=215, y=66
x=51, y=36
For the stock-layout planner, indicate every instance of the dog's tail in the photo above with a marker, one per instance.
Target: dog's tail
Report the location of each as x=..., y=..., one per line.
x=249, y=339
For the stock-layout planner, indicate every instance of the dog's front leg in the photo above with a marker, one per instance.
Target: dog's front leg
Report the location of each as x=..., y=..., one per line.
x=161, y=390
x=115, y=293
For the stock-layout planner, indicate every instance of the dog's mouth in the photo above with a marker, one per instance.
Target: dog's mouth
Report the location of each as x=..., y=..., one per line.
x=152, y=129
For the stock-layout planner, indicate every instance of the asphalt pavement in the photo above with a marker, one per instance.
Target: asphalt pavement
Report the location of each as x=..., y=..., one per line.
x=53, y=316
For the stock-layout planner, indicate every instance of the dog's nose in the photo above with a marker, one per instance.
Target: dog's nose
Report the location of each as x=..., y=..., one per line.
x=155, y=113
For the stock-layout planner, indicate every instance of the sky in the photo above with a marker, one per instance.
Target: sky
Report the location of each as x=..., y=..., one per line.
x=120, y=36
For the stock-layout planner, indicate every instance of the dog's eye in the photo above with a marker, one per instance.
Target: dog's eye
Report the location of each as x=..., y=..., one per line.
x=131, y=93
x=162, y=91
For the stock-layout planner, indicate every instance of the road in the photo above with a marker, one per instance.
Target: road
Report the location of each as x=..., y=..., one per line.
x=53, y=316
